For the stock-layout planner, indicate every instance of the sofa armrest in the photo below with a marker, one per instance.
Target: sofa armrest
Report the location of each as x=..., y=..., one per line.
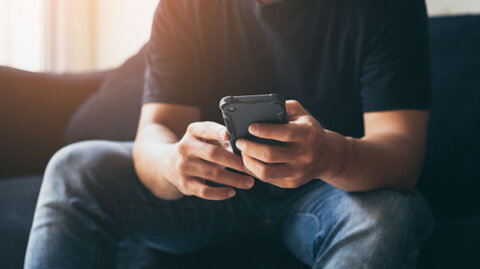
x=34, y=111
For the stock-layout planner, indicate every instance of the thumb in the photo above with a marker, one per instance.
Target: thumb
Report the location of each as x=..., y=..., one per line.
x=295, y=109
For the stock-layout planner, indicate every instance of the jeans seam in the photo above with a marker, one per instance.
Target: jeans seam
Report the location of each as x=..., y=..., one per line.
x=315, y=239
x=317, y=221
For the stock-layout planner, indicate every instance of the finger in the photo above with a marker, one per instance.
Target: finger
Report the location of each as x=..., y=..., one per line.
x=195, y=187
x=290, y=132
x=266, y=153
x=269, y=173
x=204, y=170
x=294, y=109
x=208, y=130
x=219, y=155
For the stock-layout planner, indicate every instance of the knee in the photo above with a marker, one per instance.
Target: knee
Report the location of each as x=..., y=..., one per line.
x=393, y=209
x=392, y=217
x=78, y=166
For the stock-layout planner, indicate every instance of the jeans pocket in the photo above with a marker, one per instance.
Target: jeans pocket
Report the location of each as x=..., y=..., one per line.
x=299, y=236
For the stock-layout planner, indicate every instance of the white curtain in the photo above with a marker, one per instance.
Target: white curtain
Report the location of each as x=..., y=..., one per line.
x=72, y=35
x=22, y=34
x=96, y=34
x=78, y=35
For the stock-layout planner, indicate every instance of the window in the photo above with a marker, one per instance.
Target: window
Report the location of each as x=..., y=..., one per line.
x=72, y=35
x=22, y=34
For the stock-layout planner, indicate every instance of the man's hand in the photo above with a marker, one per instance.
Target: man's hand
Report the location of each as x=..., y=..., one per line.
x=293, y=164
x=199, y=156
x=390, y=155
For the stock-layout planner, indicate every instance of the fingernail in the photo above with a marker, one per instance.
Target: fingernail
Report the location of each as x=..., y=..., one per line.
x=239, y=144
x=222, y=134
x=249, y=183
x=231, y=193
x=253, y=128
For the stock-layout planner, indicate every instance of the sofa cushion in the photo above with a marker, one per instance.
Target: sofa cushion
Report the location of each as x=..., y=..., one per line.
x=454, y=244
x=18, y=197
x=112, y=112
x=450, y=178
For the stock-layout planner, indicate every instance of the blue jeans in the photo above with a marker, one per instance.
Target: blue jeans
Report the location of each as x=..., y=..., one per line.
x=91, y=201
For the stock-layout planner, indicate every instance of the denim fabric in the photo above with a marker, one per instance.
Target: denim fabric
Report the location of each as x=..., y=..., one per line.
x=91, y=201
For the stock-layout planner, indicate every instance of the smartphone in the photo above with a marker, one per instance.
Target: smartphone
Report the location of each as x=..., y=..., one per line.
x=239, y=112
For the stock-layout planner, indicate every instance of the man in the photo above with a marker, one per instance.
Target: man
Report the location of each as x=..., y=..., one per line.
x=338, y=194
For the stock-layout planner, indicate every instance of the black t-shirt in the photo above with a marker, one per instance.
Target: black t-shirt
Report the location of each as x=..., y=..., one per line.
x=338, y=58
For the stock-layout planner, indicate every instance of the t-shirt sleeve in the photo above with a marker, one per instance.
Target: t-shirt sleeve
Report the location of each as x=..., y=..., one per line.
x=395, y=73
x=170, y=75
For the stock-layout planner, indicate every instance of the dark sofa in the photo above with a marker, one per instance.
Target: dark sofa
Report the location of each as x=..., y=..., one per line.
x=39, y=113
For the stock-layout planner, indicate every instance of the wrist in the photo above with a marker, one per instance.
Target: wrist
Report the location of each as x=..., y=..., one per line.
x=167, y=171
x=337, y=154
x=167, y=168
x=154, y=169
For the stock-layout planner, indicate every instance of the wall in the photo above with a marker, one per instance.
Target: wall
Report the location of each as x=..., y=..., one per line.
x=123, y=28
x=22, y=38
x=95, y=34
x=70, y=35
x=452, y=7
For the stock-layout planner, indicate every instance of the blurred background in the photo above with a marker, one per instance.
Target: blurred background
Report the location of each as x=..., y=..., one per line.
x=72, y=35
x=79, y=35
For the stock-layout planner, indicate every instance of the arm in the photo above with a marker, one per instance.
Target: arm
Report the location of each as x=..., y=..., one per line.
x=390, y=155
x=154, y=138
x=174, y=154
x=172, y=167
x=394, y=82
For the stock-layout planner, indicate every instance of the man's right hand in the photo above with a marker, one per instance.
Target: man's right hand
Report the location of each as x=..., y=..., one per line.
x=199, y=157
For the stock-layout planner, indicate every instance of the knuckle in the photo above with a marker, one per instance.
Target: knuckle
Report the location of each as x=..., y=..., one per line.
x=182, y=165
x=307, y=119
x=263, y=172
x=191, y=127
x=290, y=184
x=215, y=173
x=268, y=155
x=182, y=185
x=290, y=135
x=202, y=191
x=308, y=156
x=212, y=173
x=211, y=152
x=310, y=134
x=298, y=173
x=182, y=147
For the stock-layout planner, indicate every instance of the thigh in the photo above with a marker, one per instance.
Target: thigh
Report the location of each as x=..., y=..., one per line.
x=328, y=228
x=96, y=182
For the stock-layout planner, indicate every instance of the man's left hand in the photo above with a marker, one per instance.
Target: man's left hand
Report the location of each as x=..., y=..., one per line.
x=303, y=157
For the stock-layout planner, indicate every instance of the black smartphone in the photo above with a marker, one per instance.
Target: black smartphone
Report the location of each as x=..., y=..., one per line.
x=239, y=112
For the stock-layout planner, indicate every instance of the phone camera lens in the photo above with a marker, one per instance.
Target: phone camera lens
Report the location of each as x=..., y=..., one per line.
x=231, y=109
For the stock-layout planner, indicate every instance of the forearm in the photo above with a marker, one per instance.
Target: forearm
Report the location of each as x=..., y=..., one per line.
x=154, y=140
x=374, y=162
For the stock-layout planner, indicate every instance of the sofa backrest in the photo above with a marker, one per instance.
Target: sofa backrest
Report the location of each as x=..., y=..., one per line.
x=451, y=178
x=113, y=111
